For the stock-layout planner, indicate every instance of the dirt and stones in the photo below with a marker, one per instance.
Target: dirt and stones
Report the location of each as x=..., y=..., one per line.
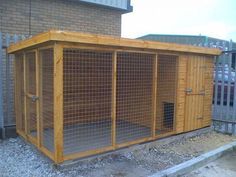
x=18, y=158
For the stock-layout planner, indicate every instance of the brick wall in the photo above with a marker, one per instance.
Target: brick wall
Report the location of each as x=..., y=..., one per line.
x=47, y=14
x=57, y=14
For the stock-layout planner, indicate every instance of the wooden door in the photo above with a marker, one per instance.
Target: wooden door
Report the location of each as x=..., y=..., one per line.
x=195, y=92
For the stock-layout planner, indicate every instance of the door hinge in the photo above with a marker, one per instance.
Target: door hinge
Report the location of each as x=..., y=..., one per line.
x=202, y=92
x=188, y=90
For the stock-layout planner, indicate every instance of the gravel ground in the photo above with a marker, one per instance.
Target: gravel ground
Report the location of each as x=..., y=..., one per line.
x=18, y=158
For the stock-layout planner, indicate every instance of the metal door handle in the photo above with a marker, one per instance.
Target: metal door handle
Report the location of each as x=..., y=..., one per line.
x=34, y=98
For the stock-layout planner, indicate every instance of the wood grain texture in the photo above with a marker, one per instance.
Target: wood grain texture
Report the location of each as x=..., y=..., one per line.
x=58, y=103
x=114, y=78
x=199, y=101
x=154, y=95
x=180, y=96
x=86, y=38
x=207, y=111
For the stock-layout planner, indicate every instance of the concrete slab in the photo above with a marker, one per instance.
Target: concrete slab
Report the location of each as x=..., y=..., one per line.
x=222, y=167
x=188, y=166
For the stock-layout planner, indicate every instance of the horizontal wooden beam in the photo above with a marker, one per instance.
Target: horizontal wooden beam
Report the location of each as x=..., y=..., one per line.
x=102, y=40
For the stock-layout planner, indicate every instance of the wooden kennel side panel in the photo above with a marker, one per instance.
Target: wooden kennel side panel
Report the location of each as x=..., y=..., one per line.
x=180, y=96
x=209, y=81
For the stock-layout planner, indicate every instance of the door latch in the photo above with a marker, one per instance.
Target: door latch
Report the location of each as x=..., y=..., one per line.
x=34, y=98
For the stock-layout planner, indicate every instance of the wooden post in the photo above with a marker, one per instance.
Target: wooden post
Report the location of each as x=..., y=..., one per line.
x=114, y=77
x=25, y=93
x=154, y=95
x=40, y=99
x=58, y=102
x=38, y=90
x=177, y=76
x=17, y=95
x=180, y=110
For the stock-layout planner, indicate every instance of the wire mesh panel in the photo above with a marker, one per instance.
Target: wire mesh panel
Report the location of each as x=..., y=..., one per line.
x=31, y=90
x=166, y=89
x=134, y=96
x=19, y=84
x=87, y=91
x=46, y=101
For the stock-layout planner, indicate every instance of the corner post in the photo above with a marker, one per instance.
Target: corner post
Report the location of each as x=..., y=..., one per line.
x=58, y=102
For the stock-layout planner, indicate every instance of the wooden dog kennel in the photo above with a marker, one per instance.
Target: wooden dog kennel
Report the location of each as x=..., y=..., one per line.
x=80, y=94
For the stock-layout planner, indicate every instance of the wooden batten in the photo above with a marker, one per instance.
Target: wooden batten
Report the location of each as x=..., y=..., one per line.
x=154, y=95
x=58, y=103
x=103, y=40
x=40, y=101
x=25, y=98
x=114, y=77
x=38, y=88
x=209, y=81
x=180, y=95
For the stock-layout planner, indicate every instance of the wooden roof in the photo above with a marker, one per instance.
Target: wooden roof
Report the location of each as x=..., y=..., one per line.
x=84, y=38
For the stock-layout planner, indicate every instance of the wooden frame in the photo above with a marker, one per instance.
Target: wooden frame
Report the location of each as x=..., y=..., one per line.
x=103, y=40
x=114, y=77
x=58, y=41
x=154, y=94
x=58, y=103
x=176, y=93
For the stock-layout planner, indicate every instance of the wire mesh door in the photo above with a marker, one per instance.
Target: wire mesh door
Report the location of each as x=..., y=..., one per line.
x=31, y=98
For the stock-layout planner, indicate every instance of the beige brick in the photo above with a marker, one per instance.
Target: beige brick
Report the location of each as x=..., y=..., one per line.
x=58, y=14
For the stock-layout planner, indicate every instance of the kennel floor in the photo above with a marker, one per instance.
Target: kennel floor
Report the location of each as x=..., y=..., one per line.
x=91, y=136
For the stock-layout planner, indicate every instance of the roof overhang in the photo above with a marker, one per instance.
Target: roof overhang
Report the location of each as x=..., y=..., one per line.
x=102, y=40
